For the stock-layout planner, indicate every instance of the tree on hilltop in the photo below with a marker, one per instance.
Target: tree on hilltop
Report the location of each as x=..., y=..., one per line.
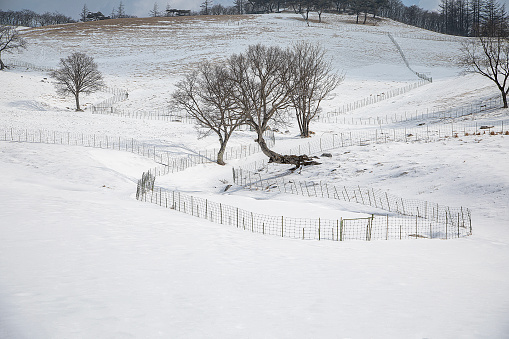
x=205, y=7
x=154, y=12
x=84, y=13
x=77, y=74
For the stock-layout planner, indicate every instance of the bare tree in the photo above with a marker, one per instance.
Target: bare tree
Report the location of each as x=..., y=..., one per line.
x=77, y=74
x=84, y=13
x=9, y=41
x=205, y=7
x=489, y=56
x=120, y=11
x=260, y=76
x=155, y=11
x=312, y=81
x=207, y=95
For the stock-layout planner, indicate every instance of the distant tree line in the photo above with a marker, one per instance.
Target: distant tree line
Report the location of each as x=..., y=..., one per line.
x=116, y=13
x=30, y=18
x=455, y=17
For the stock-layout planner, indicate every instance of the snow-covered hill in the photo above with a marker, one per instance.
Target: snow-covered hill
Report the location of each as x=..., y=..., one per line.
x=81, y=258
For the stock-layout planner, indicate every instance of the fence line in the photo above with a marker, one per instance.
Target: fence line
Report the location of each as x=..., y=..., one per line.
x=379, y=227
x=160, y=154
x=425, y=133
x=420, y=75
x=435, y=113
x=372, y=99
x=378, y=199
x=18, y=63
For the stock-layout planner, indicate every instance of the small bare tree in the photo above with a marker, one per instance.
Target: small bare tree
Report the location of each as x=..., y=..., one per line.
x=84, y=13
x=207, y=95
x=312, y=81
x=9, y=41
x=205, y=7
x=155, y=11
x=489, y=56
x=77, y=74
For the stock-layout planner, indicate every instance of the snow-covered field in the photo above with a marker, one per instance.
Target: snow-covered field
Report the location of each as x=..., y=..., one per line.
x=80, y=257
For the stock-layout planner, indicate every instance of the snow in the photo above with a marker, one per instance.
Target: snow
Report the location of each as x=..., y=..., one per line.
x=80, y=257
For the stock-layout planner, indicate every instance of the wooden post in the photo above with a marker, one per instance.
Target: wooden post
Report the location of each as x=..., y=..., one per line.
x=341, y=226
x=319, y=228
x=416, y=227
x=282, y=226
x=387, y=231
x=458, y=225
x=446, y=221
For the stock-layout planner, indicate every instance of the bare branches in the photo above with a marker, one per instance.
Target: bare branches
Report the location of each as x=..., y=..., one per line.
x=207, y=95
x=77, y=74
x=313, y=80
x=9, y=41
x=257, y=88
x=261, y=77
x=489, y=57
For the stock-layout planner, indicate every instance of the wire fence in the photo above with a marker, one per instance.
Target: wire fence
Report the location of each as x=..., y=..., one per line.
x=435, y=113
x=171, y=160
x=17, y=63
x=163, y=114
x=372, y=99
x=427, y=133
x=420, y=75
x=373, y=227
x=424, y=211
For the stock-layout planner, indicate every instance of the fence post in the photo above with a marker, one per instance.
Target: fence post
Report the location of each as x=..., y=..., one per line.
x=341, y=227
x=282, y=226
x=387, y=231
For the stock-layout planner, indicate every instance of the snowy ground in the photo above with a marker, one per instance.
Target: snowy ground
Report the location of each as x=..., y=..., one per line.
x=81, y=258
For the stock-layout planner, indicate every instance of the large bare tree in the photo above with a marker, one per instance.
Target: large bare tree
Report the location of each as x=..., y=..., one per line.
x=260, y=77
x=77, y=74
x=489, y=56
x=313, y=79
x=9, y=40
x=207, y=95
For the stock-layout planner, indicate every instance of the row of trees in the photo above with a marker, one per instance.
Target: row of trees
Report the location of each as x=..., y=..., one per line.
x=29, y=18
x=257, y=88
x=457, y=17
x=116, y=13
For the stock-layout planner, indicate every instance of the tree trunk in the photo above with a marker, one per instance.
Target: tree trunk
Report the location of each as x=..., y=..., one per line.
x=2, y=65
x=273, y=156
x=304, y=131
x=220, y=154
x=77, y=97
x=504, y=98
x=298, y=161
